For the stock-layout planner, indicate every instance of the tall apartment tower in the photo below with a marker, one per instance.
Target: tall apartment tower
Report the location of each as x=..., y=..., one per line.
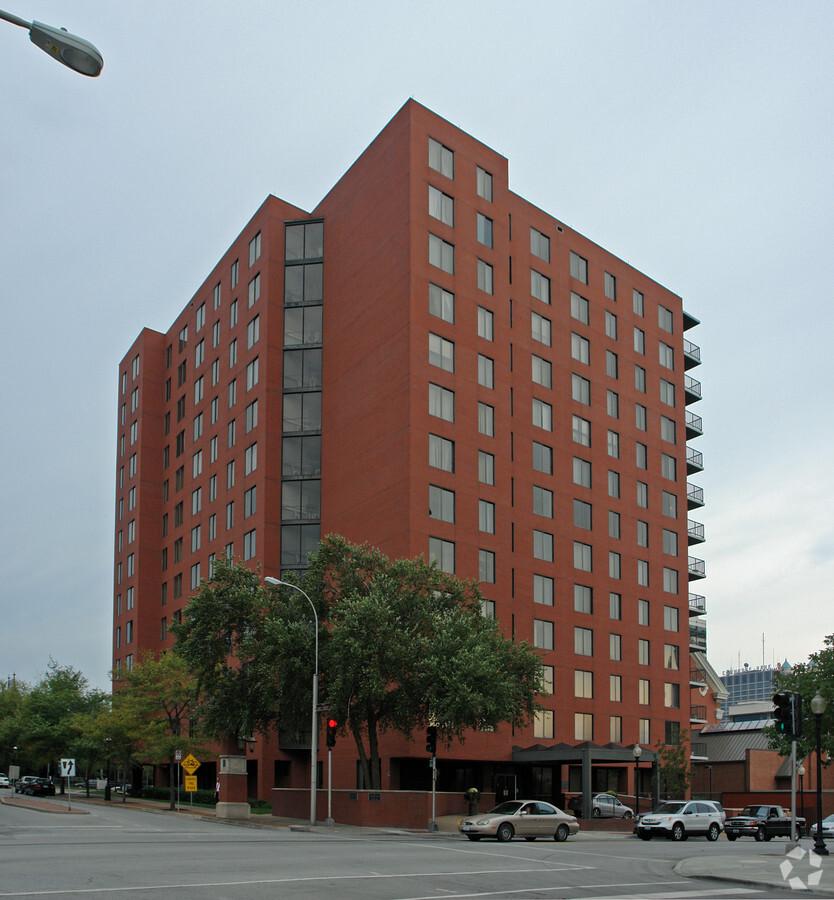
x=430, y=363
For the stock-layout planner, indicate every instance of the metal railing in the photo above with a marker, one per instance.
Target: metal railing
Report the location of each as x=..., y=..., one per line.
x=694, y=459
x=697, y=567
x=692, y=385
x=694, y=494
x=697, y=604
x=697, y=713
x=695, y=530
x=693, y=351
x=697, y=675
x=694, y=423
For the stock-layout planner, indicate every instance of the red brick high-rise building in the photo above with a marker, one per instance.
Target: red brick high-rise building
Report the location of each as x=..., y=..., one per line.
x=432, y=364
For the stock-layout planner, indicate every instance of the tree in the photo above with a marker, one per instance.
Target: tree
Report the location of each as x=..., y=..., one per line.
x=805, y=679
x=675, y=769
x=158, y=693
x=401, y=645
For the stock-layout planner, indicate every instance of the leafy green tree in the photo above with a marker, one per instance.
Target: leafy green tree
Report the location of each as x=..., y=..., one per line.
x=674, y=767
x=805, y=679
x=401, y=645
x=158, y=692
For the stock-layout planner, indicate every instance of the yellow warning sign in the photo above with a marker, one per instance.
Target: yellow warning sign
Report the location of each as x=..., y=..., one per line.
x=191, y=783
x=190, y=764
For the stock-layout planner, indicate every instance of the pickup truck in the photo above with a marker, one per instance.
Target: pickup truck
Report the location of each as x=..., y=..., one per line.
x=762, y=822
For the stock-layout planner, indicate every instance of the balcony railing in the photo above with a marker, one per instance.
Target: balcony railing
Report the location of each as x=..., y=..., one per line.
x=697, y=676
x=694, y=425
x=697, y=637
x=695, y=532
x=697, y=713
x=691, y=354
x=692, y=389
x=694, y=461
x=694, y=496
x=697, y=568
x=697, y=605
x=697, y=750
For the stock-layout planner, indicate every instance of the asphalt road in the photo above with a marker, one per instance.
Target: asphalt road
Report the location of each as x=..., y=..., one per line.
x=116, y=852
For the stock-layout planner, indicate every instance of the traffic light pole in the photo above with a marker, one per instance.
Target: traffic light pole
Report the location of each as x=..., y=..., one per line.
x=433, y=823
x=329, y=819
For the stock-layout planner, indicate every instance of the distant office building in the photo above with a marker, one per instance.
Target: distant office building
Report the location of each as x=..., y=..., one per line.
x=430, y=363
x=748, y=684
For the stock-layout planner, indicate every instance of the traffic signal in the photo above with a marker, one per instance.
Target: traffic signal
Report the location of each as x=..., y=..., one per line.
x=783, y=714
x=431, y=740
x=332, y=725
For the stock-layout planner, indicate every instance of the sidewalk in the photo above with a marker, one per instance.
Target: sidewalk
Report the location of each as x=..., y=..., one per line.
x=782, y=869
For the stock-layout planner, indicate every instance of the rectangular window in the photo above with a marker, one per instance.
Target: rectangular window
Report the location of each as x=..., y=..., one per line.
x=441, y=254
x=641, y=456
x=668, y=430
x=540, y=286
x=615, y=647
x=441, y=353
x=640, y=379
x=543, y=724
x=542, y=502
x=441, y=504
x=249, y=545
x=612, y=368
x=543, y=545
x=583, y=641
x=485, y=282
x=642, y=495
x=483, y=184
x=485, y=324
x=579, y=308
x=580, y=348
x=441, y=158
x=250, y=459
x=543, y=590
x=583, y=558
x=542, y=414
x=583, y=726
x=486, y=571
x=610, y=325
x=667, y=356
x=643, y=572
x=583, y=684
x=441, y=403
x=612, y=404
x=539, y=245
x=542, y=458
x=665, y=319
x=486, y=420
x=251, y=416
x=613, y=524
x=610, y=286
x=615, y=729
x=252, y=373
x=484, y=230
x=578, y=267
x=580, y=389
x=253, y=332
x=542, y=634
x=581, y=431
x=615, y=688
x=547, y=679
x=671, y=657
x=671, y=618
x=441, y=303
x=583, y=599
x=540, y=329
x=637, y=303
x=670, y=580
x=486, y=467
x=582, y=514
x=441, y=206
x=486, y=372
x=614, y=484
x=614, y=565
x=643, y=654
x=668, y=467
x=672, y=695
x=542, y=371
x=254, y=249
x=443, y=553
x=441, y=453
x=250, y=502
x=643, y=692
x=667, y=392
x=581, y=472
x=254, y=291
x=670, y=505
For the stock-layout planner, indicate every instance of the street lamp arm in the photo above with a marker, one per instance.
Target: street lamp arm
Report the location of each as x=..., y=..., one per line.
x=74, y=52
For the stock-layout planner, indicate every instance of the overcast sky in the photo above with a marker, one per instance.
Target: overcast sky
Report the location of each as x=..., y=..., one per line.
x=694, y=140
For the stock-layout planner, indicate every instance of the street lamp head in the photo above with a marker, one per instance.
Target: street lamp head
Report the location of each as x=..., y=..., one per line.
x=73, y=51
x=275, y=581
x=818, y=704
x=637, y=750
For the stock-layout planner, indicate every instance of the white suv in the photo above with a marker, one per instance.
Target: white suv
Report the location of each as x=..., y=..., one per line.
x=678, y=819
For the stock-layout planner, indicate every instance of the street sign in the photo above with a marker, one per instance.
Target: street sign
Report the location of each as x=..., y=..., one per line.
x=67, y=768
x=190, y=764
x=178, y=755
x=191, y=783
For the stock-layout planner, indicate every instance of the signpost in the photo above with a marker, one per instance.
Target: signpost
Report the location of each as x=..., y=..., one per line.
x=68, y=771
x=190, y=764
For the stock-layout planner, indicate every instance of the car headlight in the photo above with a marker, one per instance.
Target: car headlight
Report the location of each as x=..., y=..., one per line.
x=482, y=822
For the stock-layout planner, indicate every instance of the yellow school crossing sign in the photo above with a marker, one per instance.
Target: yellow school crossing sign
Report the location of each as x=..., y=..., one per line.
x=190, y=764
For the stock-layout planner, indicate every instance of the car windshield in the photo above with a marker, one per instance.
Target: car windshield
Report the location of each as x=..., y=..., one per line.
x=754, y=811
x=506, y=809
x=668, y=808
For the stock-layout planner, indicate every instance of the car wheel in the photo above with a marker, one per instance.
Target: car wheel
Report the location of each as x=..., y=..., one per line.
x=714, y=831
x=628, y=815
x=597, y=812
x=561, y=833
x=530, y=838
x=731, y=837
x=645, y=835
x=505, y=832
x=760, y=833
x=474, y=837
x=678, y=833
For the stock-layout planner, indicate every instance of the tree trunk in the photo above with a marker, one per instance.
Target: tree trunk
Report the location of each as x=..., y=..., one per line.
x=363, y=757
x=171, y=769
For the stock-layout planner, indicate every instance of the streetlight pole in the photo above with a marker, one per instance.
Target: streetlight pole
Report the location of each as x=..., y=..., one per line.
x=709, y=769
x=74, y=52
x=638, y=752
x=801, y=772
x=314, y=729
x=818, y=705
x=109, y=744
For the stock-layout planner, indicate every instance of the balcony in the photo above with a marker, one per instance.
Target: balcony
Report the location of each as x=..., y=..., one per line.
x=698, y=750
x=691, y=355
x=697, y=568
x=689, y=321
x=698, y=637
x=697, y=678
x=697, y=605
x=698, y=715
x=694, y=425
x=694, y=496
x=694, y=532
x=691, y=389
x=694, y=461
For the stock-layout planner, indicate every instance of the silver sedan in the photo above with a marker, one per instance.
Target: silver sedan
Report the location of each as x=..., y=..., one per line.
x=520, y=818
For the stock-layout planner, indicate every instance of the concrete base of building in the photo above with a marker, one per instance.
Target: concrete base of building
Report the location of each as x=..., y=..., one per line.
x=233, y=811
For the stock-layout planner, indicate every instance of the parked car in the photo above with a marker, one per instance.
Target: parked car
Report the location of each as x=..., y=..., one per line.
x=40, y=787
x=4, y=780
x=602, y=806
x=680, y=819
x=21, y=783
x=827, y=828
x=762, y=822
x=719, y=807
x=522, y=818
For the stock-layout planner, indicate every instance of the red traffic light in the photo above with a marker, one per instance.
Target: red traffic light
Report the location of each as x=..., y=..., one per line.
x=332, y=723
